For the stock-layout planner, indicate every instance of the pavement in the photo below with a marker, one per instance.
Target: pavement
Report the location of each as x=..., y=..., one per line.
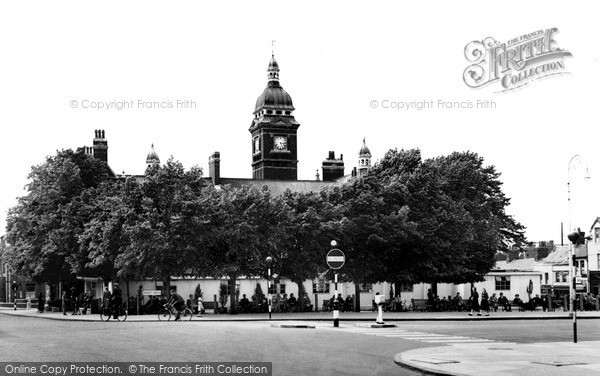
x=493, y=358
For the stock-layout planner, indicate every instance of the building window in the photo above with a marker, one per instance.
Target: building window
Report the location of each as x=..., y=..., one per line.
x=320, y=285
x=562, y=276
x=597, y=235
x=366, y=287
x=282, y=288
x=502, y=283
x=546, y=278
x=272, y=289
x=405, y=287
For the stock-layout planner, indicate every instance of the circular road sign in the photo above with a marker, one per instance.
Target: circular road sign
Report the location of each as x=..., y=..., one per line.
x=335, y=258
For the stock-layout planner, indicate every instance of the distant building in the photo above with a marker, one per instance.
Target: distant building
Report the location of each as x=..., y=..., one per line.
x=593, y=258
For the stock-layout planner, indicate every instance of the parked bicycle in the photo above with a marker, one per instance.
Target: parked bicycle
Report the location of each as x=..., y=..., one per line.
x=118, y=312
x=168, y=311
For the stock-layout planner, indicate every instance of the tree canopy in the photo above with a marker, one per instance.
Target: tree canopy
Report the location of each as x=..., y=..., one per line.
x=408, y=220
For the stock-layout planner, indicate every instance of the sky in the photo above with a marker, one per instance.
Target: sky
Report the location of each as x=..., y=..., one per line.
x=345, y=64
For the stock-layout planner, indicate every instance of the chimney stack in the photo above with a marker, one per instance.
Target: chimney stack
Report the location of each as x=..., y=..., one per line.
x=333, y=169
x=214, y=168
x=100, y=146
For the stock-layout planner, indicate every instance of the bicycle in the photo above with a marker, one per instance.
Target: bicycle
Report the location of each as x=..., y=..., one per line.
x=168, y=310
x=107, y=312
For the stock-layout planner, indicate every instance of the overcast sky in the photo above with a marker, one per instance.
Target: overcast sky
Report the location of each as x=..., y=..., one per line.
x=336, y=58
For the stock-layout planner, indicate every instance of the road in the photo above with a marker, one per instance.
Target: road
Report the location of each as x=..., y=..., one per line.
x=348, y=350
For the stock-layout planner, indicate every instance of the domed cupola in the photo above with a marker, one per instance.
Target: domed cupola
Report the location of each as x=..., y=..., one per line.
x=274, y=100
x=364, y=159
x=152, y=158
x=364, y=150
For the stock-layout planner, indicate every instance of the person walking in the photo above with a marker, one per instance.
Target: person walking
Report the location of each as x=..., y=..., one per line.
x=74, y=302
x=485, y=304
x=200, y=306
x=63, y=298
x=474, y=302
x=40, y=303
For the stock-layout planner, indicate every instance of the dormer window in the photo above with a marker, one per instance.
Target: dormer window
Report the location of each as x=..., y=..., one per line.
x=597, y=235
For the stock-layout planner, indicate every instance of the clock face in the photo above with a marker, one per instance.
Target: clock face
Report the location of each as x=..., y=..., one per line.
x=256, y=145
x=280, y=143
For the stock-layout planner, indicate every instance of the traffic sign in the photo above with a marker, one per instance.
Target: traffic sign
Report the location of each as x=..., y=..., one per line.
x=336, y=258
x=152, y=292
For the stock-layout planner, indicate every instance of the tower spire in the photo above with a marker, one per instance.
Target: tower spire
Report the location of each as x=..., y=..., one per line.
x=273, y=70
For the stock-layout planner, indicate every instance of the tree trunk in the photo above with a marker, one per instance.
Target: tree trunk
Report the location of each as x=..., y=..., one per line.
x=397, y=289
x=167, y=287
x=300, y=297
x=232, y=302
x=357, y=296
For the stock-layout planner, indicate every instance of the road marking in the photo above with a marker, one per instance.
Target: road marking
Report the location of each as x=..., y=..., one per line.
x=466, y=340
x=414, y=336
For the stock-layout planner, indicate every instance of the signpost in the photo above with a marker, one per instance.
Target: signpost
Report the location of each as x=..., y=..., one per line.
x=335, y=260
x=152, y=292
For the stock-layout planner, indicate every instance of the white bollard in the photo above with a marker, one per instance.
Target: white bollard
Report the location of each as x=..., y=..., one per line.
x=380, y=314
x=379, y=300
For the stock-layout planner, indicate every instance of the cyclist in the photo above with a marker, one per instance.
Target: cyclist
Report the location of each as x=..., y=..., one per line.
x=177, y=302
x=115, y=301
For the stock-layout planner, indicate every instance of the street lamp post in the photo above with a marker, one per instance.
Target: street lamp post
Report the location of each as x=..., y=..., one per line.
x=575, y=158
x=269, y=261
x=573, y=237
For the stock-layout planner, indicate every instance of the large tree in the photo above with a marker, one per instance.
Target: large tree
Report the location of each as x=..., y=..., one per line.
x=156, y=231
x=302, y=255
x=460, y=211
x=43, y=227
x=114, y=206
x=369, y=228
x=245, y=225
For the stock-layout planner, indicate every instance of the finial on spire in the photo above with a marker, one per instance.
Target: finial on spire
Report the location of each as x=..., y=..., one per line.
x=272, y=47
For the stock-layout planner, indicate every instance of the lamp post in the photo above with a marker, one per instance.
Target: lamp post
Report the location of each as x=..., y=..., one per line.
x=269, y=261
x=573, y=237
x=576, y=158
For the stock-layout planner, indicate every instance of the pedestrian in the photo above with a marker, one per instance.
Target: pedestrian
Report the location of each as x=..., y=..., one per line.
x=40, y=303
x=474, y=302
x=200, y=306
x=485, y=304
x=74, y=300
x=63, y=299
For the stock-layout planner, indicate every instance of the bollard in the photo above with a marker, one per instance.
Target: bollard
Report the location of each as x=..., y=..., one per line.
x=336, y=315
x=379, y=300
x=380, y=314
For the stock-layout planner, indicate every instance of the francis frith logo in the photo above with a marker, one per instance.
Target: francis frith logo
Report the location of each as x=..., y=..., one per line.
x=515, y=63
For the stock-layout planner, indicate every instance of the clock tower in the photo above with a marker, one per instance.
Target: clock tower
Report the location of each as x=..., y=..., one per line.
x=273, y=130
